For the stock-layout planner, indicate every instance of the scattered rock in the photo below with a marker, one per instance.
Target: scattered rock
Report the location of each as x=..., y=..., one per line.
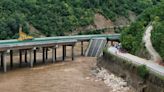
x=116, y=83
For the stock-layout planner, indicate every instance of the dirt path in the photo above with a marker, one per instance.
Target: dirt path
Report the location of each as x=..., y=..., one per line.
x=148, y=44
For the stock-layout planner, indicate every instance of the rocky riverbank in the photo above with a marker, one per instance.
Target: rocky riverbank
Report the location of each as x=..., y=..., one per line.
x=117, y=84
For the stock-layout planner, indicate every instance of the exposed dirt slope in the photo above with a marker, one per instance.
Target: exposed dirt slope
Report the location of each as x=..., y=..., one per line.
x=101, y=22
x=35, y=33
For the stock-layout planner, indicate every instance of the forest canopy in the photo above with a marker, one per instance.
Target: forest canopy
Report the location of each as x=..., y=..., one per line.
x=55, y=17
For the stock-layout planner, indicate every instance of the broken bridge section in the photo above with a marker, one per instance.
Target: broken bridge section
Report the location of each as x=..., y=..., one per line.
x=95, y=47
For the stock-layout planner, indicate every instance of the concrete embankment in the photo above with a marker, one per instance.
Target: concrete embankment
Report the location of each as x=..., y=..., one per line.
x=138, y=76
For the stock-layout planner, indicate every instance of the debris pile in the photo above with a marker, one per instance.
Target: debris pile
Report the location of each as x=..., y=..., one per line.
x=116, y=83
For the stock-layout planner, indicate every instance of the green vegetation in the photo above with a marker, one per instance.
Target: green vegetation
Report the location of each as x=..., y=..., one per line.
x=132, y=36
x=55, y=17
x=143, y=71
x=158, y=37
x=98, y=31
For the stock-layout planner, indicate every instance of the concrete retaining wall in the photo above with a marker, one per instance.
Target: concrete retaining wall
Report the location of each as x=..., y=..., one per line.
x=129, y=71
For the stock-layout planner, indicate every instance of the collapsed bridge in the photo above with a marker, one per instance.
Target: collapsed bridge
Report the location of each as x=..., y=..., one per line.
x=8, y=46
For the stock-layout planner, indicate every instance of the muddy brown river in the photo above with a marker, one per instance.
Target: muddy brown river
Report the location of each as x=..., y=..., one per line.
x=69, y=76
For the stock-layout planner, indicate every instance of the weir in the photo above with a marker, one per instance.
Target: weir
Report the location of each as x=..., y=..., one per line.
x=31, y=46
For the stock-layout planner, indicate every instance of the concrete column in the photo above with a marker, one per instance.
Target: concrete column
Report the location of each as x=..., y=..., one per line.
x=46, y=53
x=72, y=52
x=31, y=58
x=34, y=56
x=1, y=59
x=25, y=56
x=43, y=55
x=11, y=58
x=82, y=54
x=64, y=52
x=20, y=57
x=53, y=54
x=3, y=56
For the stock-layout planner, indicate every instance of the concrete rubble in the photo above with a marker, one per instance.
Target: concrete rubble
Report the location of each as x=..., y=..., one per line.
x=116, y=83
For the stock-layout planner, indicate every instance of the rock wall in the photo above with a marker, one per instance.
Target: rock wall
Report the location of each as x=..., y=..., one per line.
x=129, y=71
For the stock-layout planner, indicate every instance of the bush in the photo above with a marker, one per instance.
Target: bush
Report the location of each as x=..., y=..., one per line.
x=142, y=71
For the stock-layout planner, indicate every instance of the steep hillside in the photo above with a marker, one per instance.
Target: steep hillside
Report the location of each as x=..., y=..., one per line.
x=55, y=17
x=132, y=36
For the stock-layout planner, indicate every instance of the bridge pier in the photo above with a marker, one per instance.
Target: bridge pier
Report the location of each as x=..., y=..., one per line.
x=11, y=58
x=73, y=52
x=46, y=53
x=64, y=52
x=34, y=51
x=20, y=57
x=25, y=56
x=43, y=54
x=82, y=52
x=3, y=61
x=53, y=54
x=31, y=58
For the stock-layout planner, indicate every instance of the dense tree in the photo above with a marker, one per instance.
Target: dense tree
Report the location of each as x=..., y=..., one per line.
x=55, y=17
x=132, y=36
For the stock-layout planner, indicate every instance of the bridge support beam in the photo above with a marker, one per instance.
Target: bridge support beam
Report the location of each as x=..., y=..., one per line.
x=31, y=58
x=53, y=54
x=25, y=56
x=64, y=52
x=20, y=57
x=73, y=52
x=82, y=52
x=43, y=54
x=46, y=53
x=34, y=55
x=3, y=61
x=11, y=58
